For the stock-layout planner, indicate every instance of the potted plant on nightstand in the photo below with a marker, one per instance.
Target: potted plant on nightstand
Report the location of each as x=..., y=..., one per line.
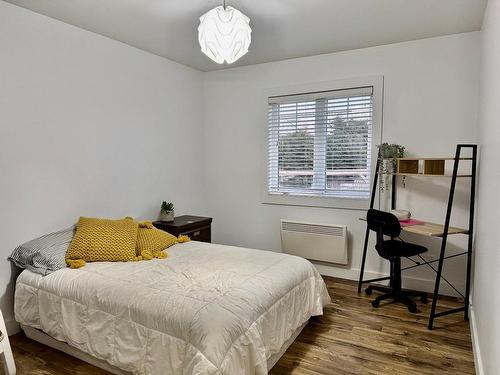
x=167, y=211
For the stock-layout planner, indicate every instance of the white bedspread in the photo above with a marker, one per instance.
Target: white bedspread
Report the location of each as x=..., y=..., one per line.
x=206, y=309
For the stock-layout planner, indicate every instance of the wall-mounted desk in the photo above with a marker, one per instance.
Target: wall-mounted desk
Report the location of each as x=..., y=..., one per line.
x=433, y=167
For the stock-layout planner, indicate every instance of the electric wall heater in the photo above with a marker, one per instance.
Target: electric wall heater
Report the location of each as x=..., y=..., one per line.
x=321, y=242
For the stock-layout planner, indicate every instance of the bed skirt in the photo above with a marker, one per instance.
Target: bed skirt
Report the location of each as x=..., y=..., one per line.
x=43, y=338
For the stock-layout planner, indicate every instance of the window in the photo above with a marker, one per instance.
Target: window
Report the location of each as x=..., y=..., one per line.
x=320, y=144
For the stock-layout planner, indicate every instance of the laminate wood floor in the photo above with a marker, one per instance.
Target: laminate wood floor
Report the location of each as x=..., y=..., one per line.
x=350, y=338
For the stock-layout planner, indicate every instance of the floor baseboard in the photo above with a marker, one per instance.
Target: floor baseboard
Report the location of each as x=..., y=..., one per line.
x=478, y=361
x=426, y=285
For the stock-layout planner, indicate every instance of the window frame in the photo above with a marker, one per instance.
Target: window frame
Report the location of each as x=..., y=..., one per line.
x=377, y=82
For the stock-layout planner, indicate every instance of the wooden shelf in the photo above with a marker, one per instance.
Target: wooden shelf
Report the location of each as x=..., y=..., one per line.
x=423, y=167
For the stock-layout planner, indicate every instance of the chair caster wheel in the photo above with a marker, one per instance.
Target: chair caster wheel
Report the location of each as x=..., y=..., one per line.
x=423, y=299
x=368, y=291
x=375, y=303
x=412, y=308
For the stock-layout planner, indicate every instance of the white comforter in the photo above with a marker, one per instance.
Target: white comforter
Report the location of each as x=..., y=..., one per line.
x=206, y=309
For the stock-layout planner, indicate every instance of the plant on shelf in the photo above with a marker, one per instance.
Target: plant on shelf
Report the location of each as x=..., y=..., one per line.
x=167, y=211
x=388, y=153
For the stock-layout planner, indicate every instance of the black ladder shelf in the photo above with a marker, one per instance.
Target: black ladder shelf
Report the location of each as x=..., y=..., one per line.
x=444, y=235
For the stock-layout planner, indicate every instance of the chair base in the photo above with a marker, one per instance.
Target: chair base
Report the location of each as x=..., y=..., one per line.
x=402, y=296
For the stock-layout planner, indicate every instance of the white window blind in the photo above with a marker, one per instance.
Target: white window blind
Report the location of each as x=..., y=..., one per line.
x=319, y=144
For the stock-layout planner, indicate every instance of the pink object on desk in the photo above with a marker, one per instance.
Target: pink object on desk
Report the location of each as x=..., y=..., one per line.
x=407, y=223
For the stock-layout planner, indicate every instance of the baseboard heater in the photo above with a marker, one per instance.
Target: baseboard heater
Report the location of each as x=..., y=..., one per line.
x=320, y=242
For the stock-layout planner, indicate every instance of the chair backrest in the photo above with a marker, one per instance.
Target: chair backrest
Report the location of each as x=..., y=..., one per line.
x=383, y=222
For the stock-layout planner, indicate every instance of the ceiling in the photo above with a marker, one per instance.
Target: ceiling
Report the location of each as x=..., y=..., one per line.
x=282, y=29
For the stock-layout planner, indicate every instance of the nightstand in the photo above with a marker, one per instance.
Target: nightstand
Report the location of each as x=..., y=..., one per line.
x=197, y=228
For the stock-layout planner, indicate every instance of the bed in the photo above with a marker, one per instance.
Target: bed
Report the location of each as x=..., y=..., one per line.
x=206, y=309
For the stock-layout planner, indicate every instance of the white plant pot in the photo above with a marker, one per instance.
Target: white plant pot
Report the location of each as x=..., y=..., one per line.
x=167, y=216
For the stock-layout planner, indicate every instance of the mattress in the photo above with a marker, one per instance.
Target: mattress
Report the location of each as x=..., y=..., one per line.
x=206, y=309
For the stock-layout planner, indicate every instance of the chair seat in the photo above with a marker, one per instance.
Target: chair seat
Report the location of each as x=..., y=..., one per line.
x=395, y=249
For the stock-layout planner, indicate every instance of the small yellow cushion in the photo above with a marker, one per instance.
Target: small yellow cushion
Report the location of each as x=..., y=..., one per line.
x=151, y=241
x=103, y=240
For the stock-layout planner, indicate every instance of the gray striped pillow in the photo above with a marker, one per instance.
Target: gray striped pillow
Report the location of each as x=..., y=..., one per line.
x=45, y=254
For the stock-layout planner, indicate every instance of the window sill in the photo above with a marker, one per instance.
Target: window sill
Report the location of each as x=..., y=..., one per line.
x=312, y=201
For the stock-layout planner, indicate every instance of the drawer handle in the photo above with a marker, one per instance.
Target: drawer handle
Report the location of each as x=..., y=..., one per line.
x=196, y=233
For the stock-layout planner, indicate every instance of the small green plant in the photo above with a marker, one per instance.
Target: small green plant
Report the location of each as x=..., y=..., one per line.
x=391, y=151
x=388, y=153
x=167, y=207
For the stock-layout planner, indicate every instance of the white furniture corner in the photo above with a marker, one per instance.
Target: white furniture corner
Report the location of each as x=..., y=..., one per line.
x=5, y=350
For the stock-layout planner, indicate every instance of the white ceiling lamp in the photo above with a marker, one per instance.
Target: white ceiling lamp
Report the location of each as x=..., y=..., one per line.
x=224, y=34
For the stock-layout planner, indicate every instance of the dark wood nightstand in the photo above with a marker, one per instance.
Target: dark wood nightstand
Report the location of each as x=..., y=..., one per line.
x=197, y=228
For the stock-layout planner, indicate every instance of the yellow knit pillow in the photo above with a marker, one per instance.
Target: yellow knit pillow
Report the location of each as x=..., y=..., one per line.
x=151, y=241
x=103, y=240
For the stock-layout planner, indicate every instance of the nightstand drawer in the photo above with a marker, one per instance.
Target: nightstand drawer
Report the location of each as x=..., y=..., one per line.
x=199, y=234
x=197, y=228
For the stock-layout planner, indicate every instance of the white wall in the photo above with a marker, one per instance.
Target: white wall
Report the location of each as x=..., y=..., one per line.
x=88, y=126
x=486, y=293
x=430, y=104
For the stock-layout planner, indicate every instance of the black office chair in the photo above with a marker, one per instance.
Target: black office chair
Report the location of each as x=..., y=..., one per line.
x=386, y=224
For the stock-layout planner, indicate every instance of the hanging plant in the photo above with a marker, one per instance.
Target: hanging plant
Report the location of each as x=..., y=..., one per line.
x=388, y=153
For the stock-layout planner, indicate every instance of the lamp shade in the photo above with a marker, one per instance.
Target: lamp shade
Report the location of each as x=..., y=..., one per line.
x=224, y=34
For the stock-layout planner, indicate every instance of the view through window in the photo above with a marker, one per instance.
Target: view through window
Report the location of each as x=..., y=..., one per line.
x=320, y=143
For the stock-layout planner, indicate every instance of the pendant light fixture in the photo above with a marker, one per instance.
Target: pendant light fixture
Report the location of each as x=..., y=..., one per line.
x=224, y=34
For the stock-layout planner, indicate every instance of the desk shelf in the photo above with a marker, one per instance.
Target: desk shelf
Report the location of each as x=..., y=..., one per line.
x=432, y=230
x=429, y=229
